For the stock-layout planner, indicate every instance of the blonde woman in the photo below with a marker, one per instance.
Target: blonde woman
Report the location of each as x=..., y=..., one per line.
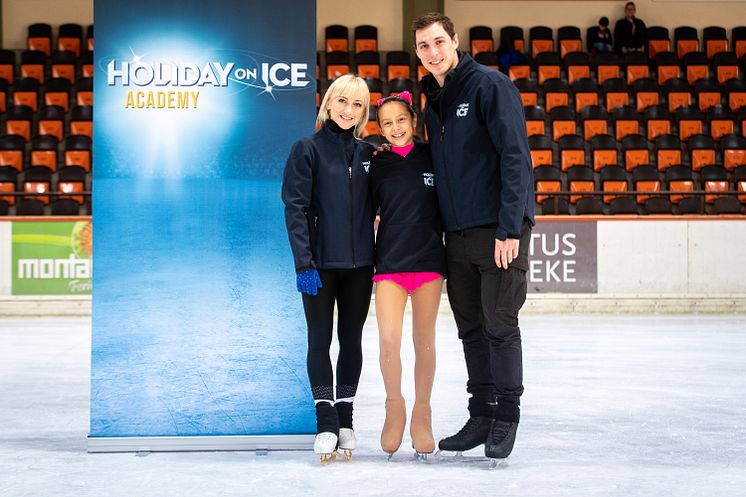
x=329, y=218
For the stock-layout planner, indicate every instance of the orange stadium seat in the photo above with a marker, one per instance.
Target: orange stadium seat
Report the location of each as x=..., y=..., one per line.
x=725, y=65
x=696, y=66
x=8, y=182
x=18, y=121
x=71, y=179
x=572, y=151
x=636, y=66
x=366, y=38
x=488, y=59
x=63, y=65
x=738, y=39
x=658, y=40
x=702, y=151
x=657, y=121
x=78, y=151
x=585, y=93
x=735, y=91
x=368, y=64
x=613, y=180
x=686, y=40
x=7, y=65
x=511, y=37
x=44, y=152
x=26, y=92
x=480, y=40
x=547, y=179
x=607, y=67
x=679, y=179
x=667, y=66
x=720, y=121
x=398, y=65
x=615, y=93
x=535, y=120
x=667, y=151
x=3, y=95
x=548, y=66
x=375, y=87
x=714, y=182
x=529, y=91
x=33, y=65
x=70, y=38
x=12, y=149
x=569, y=40
x=86, y=61
x=40, y=38
x=556, y=93
x=37, y=179
x=81, y=121
x=646, y=179
x=647, y=93
x=715, y=40
x=337, y=64
x=89, y=37
x=51, y=121
x=678, y=92
x=603, y=152
x=542, y=153
x=627, y=121
x=562, y=120
x=580, y=182
x=733, y=149
x=594, y=119
x=690, y=121
x=84, y=92
x=540, y=40
x=578, y=66
x=707, y=92
x=57, y=92
x=337, y=37
x=635, y=149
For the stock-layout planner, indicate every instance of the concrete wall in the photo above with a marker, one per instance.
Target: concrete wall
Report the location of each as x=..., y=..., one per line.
x=386, y=15
x=583, y=14
x=17, y=15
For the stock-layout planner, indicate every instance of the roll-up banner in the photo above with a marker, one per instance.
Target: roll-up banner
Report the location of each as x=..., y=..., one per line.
x=199, y=340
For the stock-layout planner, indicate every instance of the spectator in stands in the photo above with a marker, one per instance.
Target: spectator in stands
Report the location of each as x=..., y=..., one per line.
x=329, y=218
x=630, y=33
x=483, y=179
x=599, y=37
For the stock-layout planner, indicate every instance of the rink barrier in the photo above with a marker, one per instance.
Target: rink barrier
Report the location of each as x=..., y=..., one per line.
x=702, y=273
x=258, y=443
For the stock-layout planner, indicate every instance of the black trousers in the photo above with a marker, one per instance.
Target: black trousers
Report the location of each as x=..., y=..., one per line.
x=351, y=290
x=485, y=302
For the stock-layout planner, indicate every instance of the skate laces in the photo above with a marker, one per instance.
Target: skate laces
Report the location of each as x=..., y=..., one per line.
x=499, y=431
x=472, y=425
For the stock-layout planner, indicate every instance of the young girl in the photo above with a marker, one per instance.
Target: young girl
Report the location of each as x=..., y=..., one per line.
x=329, y=219
x=410, y=261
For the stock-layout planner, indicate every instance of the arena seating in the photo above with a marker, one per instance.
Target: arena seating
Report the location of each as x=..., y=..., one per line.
x=46, y=98
x=651, y=133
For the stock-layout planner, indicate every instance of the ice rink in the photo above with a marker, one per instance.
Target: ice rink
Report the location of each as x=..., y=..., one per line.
x=614, y=406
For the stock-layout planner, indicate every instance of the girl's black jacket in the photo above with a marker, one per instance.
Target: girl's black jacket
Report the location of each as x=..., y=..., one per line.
x=409, y=235
x=328, y=208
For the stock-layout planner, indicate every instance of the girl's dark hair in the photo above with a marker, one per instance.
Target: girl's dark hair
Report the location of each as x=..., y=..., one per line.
x=393, y=98
x=604, y=21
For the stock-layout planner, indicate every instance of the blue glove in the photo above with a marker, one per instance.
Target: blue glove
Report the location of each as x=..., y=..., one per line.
x=308, y=281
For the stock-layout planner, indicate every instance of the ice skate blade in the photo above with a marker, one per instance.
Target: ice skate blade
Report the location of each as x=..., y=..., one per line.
x=347, y=454
x=449, y=457
x=326, y=458
x=423, y=457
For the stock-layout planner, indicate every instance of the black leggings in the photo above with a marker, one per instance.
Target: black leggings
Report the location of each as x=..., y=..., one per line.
x=351, y=289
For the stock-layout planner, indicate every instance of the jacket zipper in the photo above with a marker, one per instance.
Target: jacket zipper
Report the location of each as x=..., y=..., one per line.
x=352, y=221
x=443, y=148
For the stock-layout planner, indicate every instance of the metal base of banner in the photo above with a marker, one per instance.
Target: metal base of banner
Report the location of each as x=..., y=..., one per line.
x=258, y=443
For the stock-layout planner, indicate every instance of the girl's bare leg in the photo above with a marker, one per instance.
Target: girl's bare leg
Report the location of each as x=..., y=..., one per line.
x=425, y=304
x=391, y=299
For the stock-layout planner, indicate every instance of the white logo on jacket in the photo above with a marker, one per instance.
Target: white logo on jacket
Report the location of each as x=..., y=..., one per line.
x=366, y=166
x=462, y=110
x=428, y=179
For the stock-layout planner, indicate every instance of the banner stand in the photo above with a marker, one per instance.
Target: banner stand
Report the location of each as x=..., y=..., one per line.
x=256, y=443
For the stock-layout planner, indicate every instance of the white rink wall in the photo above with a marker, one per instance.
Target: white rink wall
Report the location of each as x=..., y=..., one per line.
x=679, y=257
x=642, y=266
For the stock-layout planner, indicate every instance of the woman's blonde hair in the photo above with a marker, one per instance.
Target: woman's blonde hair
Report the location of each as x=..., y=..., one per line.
x=352, y=87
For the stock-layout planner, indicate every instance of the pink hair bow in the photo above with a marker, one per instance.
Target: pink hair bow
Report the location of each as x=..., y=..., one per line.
x=404, y=95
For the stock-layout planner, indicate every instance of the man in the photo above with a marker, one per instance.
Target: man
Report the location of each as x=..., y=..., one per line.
x=630, y=33
x=477, y=134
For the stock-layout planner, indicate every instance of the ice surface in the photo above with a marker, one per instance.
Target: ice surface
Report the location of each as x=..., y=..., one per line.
x=614, y=406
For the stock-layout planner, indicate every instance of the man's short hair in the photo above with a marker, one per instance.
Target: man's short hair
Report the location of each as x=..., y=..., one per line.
x=426, y=20
x=630, y=3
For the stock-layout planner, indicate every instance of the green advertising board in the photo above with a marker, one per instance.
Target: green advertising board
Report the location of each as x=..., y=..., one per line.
x=51, y=258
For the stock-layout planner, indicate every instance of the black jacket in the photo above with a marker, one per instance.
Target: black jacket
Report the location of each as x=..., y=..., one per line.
x=409, y=235
x=328, y=209
x=481, y=158
x=623, y=36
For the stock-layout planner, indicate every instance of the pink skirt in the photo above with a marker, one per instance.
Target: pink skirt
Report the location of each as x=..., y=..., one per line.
x=410, y=281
